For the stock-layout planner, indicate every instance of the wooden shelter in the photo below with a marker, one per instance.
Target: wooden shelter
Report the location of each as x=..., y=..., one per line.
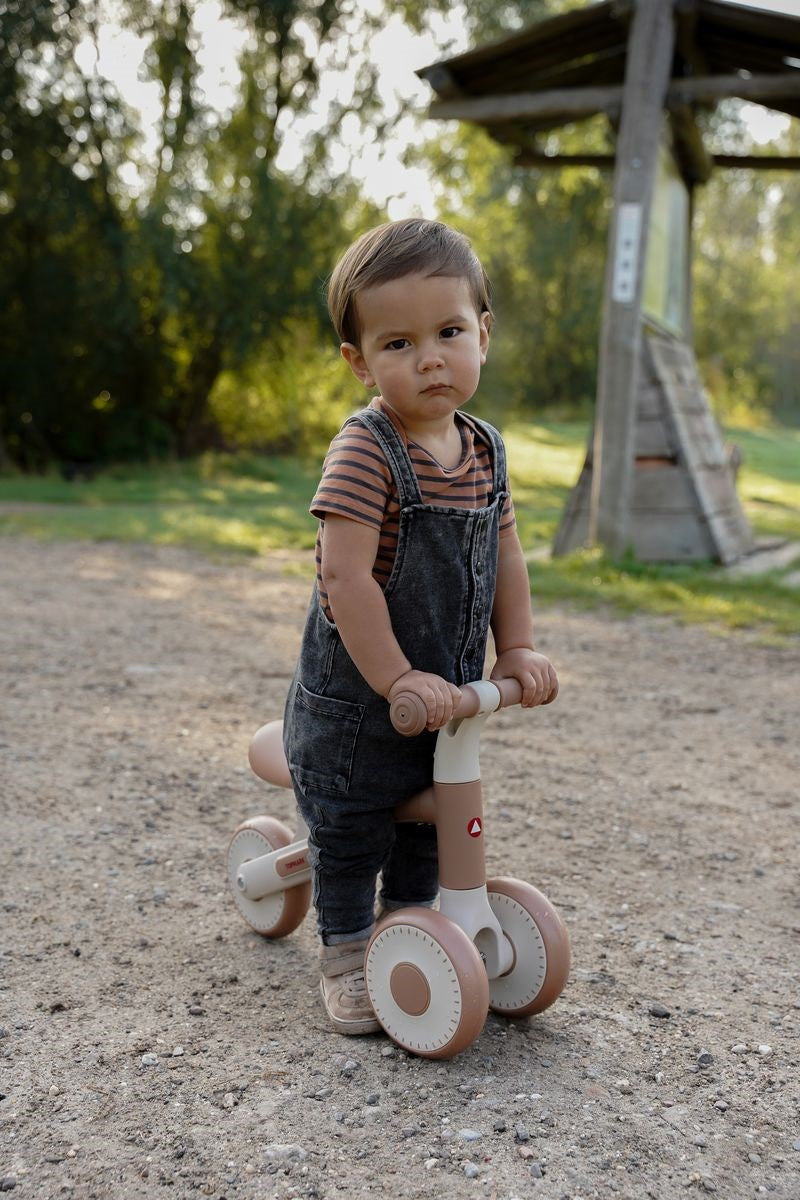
x=657, y=477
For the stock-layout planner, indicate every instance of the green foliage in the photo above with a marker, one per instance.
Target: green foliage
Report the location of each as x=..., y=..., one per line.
x=541, y=236
x=293, y=396
x=126, y=301
x=747, y=280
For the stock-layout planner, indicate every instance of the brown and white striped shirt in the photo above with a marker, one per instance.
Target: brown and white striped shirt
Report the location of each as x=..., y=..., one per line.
x=357, y=483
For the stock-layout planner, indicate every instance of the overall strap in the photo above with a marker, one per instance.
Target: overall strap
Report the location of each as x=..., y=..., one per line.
x=395, y=451
x=499, y=469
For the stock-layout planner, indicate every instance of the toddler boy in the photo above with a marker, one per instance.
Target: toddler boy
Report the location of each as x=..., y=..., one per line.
x=417, y=557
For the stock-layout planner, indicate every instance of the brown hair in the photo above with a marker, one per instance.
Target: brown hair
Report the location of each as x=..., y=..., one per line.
x=396, y=249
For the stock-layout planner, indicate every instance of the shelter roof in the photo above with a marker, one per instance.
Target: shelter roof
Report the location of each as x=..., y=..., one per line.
x=573, y=65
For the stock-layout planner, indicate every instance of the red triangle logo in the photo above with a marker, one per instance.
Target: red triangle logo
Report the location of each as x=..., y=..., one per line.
x=474, y=827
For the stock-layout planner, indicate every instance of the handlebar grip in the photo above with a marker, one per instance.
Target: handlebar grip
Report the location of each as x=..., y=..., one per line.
x=409, y=715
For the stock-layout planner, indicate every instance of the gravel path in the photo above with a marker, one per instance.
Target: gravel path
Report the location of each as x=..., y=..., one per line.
x=152, y=1046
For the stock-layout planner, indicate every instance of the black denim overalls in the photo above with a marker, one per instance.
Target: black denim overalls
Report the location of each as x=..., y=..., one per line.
x=348, y=766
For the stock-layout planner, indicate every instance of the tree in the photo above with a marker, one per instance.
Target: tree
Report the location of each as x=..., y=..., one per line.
x=132, y=285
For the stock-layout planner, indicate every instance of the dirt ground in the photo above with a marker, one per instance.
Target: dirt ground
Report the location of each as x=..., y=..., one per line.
x=151, y=1045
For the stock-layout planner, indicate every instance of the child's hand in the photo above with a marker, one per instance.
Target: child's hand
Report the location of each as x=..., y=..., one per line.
x=532, y=670
x=438, y=696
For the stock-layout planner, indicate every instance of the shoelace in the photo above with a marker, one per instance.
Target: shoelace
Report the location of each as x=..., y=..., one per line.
x=355, y=983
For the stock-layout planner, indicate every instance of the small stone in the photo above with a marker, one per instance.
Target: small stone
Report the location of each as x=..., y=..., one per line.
x=764, y=1050
x=149, y=1060
x=178, y=1052
x=196, y=1010
x=408, y=1131
x=536, y=1171
x=470, y=1170
x=388, y=1052
x=624, y=1086
x=469, y=1135
x=54, y=1090
x=708, y=1184
x=8, y=1183
x=721, y=1105
x=159, y=895
x=228, y=1100
x=796, y=1144
x=659, y=1010
x=739, y=1048
x=521, y=1133
x=372, y=1098
x=350, y=1067
x=705, y=1059
x=700, y=1140
x=284, y=1152
x=753, y=1157
x=431, y=1164
x=525, y=1152
x=500, y=1127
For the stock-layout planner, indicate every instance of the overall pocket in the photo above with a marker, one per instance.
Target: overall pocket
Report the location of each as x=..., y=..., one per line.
x=321, y=734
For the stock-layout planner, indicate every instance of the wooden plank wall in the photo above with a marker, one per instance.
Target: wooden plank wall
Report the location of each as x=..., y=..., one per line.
x=684, y=506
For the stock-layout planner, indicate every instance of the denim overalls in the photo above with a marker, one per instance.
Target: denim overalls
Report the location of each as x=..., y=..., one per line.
x=348, y=766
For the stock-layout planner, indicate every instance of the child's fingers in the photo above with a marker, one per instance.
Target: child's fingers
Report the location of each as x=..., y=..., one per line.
x=552, y=691
x=539, y=688
x=441, y=710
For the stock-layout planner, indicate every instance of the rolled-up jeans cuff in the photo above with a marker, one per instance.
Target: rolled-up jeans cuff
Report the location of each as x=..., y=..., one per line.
x=339, y=939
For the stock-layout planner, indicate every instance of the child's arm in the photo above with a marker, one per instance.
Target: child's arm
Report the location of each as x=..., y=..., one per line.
x=512, y=626
x=362, y=618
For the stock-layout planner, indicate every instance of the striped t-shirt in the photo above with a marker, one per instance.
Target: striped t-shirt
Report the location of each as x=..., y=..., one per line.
x=357, y=483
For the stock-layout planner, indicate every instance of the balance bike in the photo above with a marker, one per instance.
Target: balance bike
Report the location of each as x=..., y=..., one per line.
x=431, y=976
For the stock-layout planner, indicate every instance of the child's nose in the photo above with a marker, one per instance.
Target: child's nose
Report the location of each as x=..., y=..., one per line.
x=430, y=357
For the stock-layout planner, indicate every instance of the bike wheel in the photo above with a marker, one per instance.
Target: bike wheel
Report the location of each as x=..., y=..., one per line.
x=275, y=915
x=426, y=982
x=540, y=942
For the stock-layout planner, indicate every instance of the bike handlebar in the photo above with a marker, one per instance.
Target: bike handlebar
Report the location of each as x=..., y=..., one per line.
x=409, y=715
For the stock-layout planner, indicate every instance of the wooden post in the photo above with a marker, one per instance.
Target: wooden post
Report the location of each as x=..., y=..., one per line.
x=647, y=76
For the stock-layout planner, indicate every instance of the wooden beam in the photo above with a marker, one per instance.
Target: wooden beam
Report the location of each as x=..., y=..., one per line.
x=745, y=87
x=691, y=154
x=443, y=82
x=686, y=37
x=604, y=162
x=759, y=162
x=647, y=74
x=569, y=103
x=556, y=102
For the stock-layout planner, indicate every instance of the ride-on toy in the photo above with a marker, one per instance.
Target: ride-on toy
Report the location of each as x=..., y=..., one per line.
x=431, y=976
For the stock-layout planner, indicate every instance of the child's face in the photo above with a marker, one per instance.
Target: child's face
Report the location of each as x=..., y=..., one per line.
x=422, y=345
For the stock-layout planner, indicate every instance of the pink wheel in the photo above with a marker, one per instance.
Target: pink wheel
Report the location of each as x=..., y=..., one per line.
x=278, y=914
x=426, y=982
x=541, y=949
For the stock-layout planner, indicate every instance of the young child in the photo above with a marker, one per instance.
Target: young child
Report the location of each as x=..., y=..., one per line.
x=417, y=556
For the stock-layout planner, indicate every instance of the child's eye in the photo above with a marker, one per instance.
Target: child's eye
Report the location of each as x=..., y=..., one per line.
x=397, y=344
x=450, y=331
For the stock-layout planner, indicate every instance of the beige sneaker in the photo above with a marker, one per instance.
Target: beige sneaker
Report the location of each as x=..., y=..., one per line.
x=344, y=990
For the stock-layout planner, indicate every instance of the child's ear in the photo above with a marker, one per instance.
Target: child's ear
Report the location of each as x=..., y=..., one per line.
x=486, y=329
x=357, y=363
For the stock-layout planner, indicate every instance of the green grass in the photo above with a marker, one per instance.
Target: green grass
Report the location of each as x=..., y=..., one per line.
x=250, y=505
x=213, y=504
x=545, y=462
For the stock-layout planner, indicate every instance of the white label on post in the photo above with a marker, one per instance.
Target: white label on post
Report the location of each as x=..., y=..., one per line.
x=626, y=252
